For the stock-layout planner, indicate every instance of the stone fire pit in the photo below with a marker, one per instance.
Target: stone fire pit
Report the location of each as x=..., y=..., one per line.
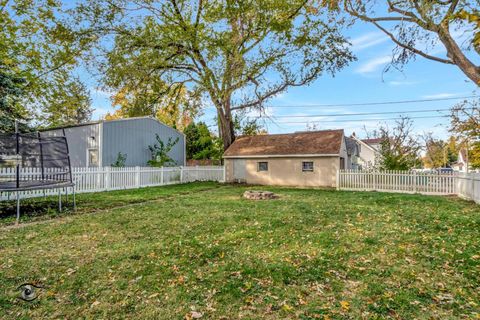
x=259, y=195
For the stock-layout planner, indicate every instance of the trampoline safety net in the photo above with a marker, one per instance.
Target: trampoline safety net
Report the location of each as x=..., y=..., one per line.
x=33, y=161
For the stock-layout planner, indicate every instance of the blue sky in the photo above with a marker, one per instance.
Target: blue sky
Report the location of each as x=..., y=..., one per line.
x=362, y=81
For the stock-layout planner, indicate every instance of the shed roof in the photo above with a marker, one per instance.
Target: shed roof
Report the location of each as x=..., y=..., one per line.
x=107, y=121
x=326, y=142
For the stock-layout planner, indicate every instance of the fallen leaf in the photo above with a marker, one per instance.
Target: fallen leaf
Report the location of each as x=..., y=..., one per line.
x=193, y=315
x=71, y=271
x=345, y=305
x=287, y=308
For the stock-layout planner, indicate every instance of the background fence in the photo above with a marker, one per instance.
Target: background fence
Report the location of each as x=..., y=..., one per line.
x=109, y=178
x=465, y=185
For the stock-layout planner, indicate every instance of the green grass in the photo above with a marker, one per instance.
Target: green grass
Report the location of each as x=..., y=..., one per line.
x=162, y=253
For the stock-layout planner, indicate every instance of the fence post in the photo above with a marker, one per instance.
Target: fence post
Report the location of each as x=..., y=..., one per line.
x=181, y=174
x=374, y=178
x=137, y=177
x=415, y=181
x=108, y=178
x=161, y=176
x=224, y=173
x=338, y=180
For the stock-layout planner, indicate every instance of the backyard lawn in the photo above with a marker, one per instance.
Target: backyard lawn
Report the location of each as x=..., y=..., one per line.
x=201, y=251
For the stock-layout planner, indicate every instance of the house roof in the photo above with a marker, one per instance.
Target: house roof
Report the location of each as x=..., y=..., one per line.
x=372, y=141
x=351, y=145
x=362, y=142
x=326, y=142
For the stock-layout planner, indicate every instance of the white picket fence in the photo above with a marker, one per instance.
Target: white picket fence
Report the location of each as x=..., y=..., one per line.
x=461, y=184
x=109, y=178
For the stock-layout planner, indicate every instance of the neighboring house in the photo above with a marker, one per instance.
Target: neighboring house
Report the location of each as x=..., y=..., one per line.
x=296, y=159
x=97, y=144
x=353, y=152
x=369, y=153
x=461, y=164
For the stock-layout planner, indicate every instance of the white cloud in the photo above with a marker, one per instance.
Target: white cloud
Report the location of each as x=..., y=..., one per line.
x=373, y=64
x=396, y=83
x=440, y=95
x=368, y=40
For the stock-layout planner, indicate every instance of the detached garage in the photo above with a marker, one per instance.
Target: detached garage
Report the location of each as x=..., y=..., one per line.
x=297, y=159
x=97, y=144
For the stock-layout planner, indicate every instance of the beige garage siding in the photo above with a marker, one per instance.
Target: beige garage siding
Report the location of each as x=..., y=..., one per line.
x=288, y=171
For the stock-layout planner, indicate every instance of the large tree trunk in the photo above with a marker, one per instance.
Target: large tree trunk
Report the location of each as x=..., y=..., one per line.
x=227, y=132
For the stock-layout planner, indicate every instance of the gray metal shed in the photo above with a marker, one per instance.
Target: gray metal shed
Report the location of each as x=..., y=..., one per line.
x=98, y=143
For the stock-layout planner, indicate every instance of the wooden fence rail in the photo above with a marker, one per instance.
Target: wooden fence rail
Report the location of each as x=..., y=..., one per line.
x=109, y=178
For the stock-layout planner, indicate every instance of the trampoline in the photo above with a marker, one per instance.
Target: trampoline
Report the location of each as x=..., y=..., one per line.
x=33, y=162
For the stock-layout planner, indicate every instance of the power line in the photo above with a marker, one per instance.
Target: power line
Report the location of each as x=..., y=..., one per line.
x=356, y=120
x=353, y=114
x=371, y=103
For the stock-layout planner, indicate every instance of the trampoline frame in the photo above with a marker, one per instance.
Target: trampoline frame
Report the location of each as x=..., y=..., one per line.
x=64, y=184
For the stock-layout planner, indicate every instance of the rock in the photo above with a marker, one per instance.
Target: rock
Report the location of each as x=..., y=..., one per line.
x=259, y=195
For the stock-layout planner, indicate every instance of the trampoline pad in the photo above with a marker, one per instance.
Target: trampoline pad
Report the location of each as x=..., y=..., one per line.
x=9, y=186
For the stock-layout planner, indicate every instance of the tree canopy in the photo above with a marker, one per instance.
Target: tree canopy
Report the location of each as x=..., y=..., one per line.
x=10, y=93
x=232, y=54
x=399, y=148
x=39, y=42
x=68, y=105
x=439, y=153
x=201, y=143
x=174, y=106
x=417, y=26
x=465, y=122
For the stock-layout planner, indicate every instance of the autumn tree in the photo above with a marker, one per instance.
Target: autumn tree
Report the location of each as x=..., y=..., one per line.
x=174, y=105
x=399, y=147
x=439, y=153
x=234, y=54
x=417, y=26
x=465, y=122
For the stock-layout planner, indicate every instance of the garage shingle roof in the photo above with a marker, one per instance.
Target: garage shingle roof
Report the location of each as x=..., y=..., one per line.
x=298, y=143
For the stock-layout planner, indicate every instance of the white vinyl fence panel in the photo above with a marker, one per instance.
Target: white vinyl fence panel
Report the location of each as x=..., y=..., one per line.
x=109, y=178
x=398, y=181
x=468, y=186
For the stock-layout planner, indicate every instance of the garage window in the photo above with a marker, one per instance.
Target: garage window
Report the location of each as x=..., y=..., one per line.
x=307, y=166
x=92, y=158
x=263, y=166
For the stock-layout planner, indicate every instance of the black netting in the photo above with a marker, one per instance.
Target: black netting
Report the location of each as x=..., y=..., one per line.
x=33, y=160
